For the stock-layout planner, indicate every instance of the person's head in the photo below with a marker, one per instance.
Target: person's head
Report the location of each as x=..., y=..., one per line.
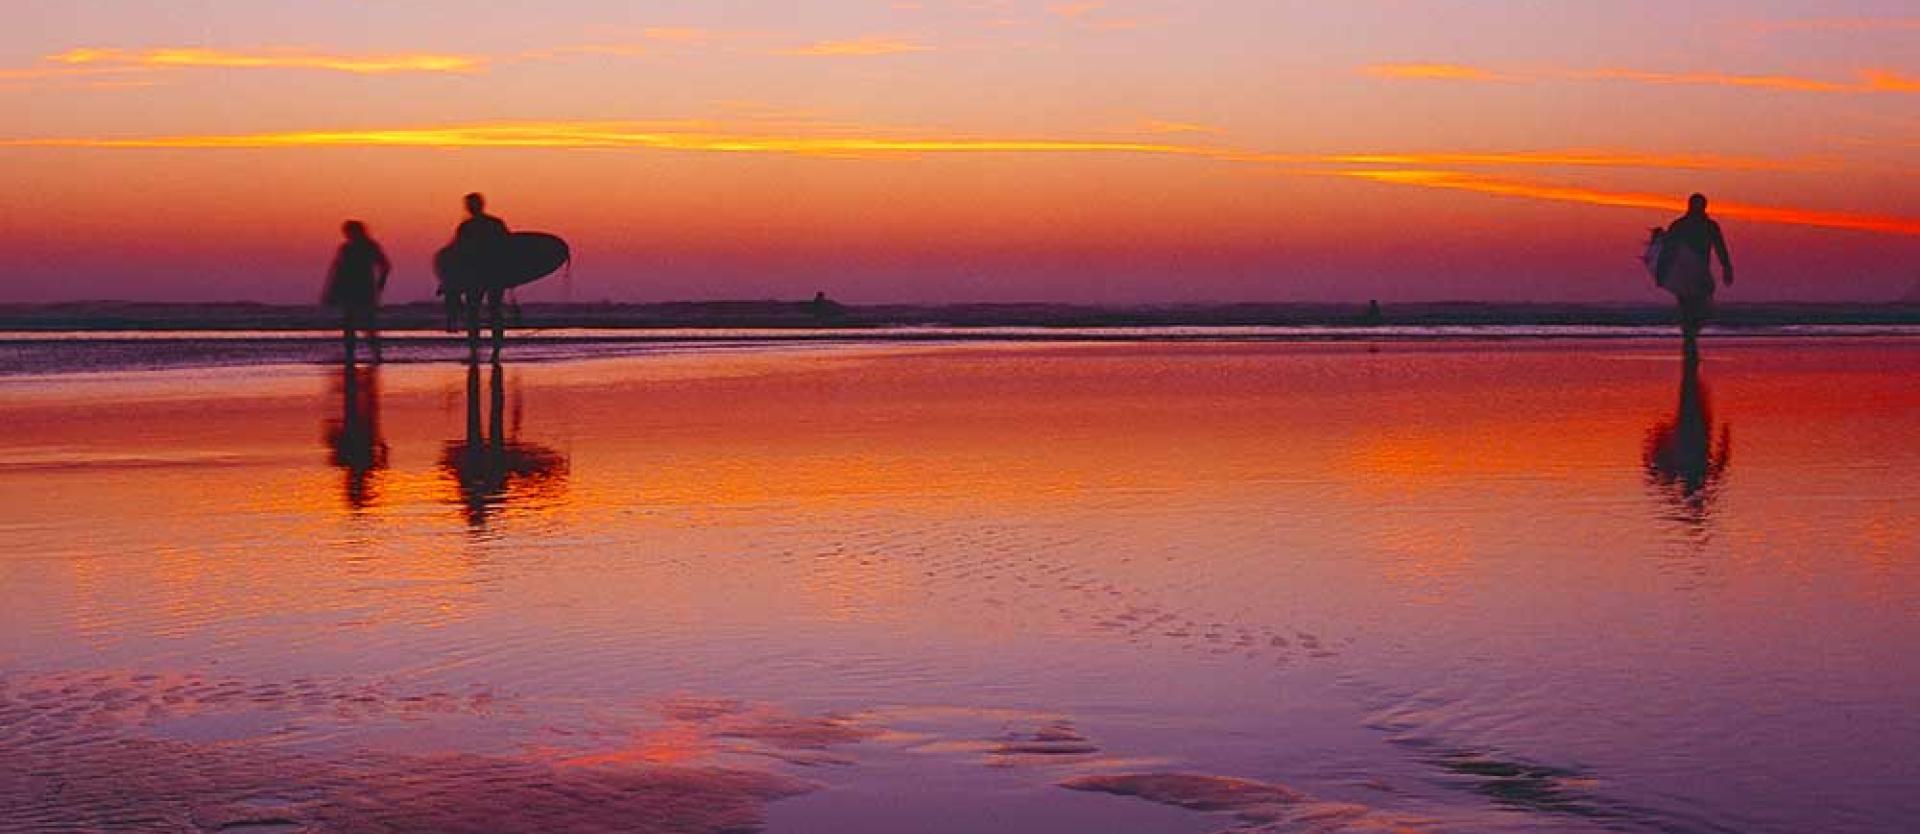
x=354, y=230
x=476, y=203
x=1697, y=204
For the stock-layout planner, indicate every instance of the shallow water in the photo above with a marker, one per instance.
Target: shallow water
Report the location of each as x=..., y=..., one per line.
x=1451, y=586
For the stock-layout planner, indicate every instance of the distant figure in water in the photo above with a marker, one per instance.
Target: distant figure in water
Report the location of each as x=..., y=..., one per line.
x=359, y=272
x=1681, y=265
x=1373, y=312
x=825, y=308
x=478, y=242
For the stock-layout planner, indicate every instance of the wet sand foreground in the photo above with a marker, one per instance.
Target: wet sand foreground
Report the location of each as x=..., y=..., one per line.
x=1445, y=586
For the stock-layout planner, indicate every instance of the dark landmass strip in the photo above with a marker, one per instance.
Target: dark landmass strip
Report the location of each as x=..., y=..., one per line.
x=807, y=314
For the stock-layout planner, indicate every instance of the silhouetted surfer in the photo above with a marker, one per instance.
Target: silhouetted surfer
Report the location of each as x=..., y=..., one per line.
x=354, y=282
x=1682, y=266
x=479, y=242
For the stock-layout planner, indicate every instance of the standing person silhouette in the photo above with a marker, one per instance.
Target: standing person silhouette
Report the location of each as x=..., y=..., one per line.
x=359, y=272
x=480, y=240
x=1683, y=267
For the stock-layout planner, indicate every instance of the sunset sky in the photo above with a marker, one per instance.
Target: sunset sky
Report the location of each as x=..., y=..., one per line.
x=963, y=150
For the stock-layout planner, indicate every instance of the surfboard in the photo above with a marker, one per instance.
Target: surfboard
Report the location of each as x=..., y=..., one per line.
x=524, y=257
x=1650, y=256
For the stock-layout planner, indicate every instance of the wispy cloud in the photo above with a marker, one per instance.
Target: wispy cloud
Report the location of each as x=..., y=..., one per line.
x=857, y=47
x=48, y=73
x=1075, y=11
x=678, y=34
x=1591, y=159
x=1443, y=72
x=1865, y=81
x=1441, y=170
x=868, y=139
x=1093, y=15
x=196, y=57
x=1161, y=126
x=1868, y=81
x=1839, y=24
x=1479, y=184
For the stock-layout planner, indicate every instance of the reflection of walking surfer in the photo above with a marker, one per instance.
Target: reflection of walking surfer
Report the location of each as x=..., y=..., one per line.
x=359, y=272
x=1679, y=260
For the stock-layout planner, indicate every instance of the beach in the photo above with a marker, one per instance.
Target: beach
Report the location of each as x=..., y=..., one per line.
x=1353, y=581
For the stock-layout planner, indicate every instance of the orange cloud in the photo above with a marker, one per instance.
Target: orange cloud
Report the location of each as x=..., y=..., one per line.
x=44, y=73
x=1866, y=81
x=1427, y=170
x=1840, y=24
x=677, y=34
x=1090, y=15
x=1459, y=181
x=1076, y=10
x=1159, y=126
x=1444, y=72
x=193, y=57
x=858, y=47
x=1589, y=159
x=851, y=139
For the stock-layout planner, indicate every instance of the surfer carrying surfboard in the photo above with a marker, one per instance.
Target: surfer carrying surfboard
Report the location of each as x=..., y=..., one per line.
x=479, y=244
x=1682, y=265
x=484, y=262
x=359, y=272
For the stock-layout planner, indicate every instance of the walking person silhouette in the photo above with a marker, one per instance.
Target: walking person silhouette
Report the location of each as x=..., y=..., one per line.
x=354, y=282
x=1682, y=266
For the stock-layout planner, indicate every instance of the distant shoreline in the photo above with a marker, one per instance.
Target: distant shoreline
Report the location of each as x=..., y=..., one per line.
x=802, y=315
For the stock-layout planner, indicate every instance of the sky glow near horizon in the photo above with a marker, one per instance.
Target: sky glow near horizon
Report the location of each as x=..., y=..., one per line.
x=1105, y=152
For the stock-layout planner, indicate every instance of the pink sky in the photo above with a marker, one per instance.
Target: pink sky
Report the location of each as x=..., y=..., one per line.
x=1125, y=151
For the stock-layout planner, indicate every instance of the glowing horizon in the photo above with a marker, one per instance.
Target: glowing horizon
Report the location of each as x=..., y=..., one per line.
x=1099, y=151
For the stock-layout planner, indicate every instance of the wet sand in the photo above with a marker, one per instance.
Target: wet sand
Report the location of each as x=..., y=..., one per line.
x=1420, y=586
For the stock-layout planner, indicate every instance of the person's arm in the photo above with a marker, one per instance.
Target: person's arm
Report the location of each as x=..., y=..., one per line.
x=327, y=289
x=1726, y=260
x=381, y=267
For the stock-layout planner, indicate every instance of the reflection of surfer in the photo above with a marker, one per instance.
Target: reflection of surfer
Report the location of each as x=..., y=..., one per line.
x=354, y=282
x=1681, y=264
x=478, y=244
x=354, y=439
x=1686, y=457
x=492, y=466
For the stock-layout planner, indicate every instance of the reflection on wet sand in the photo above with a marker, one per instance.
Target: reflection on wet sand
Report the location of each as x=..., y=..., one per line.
x=354, y=439
x=1686, y=457
x=491, y=466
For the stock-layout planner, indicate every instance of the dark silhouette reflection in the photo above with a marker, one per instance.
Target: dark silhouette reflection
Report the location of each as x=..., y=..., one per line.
x=354, y=439
x=492, y=466
x=1686, y=457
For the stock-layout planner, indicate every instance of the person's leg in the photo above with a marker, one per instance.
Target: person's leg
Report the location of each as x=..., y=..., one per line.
x=349, y=335
x=1693, y=316
x=373, y=331
x=499, y=322
x=470, y=302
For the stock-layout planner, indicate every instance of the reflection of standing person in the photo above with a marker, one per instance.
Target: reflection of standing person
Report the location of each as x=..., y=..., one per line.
x=354, y=439
x=354, y=282
x=1683, y=265
x=1685, y=457
x=491, y=465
